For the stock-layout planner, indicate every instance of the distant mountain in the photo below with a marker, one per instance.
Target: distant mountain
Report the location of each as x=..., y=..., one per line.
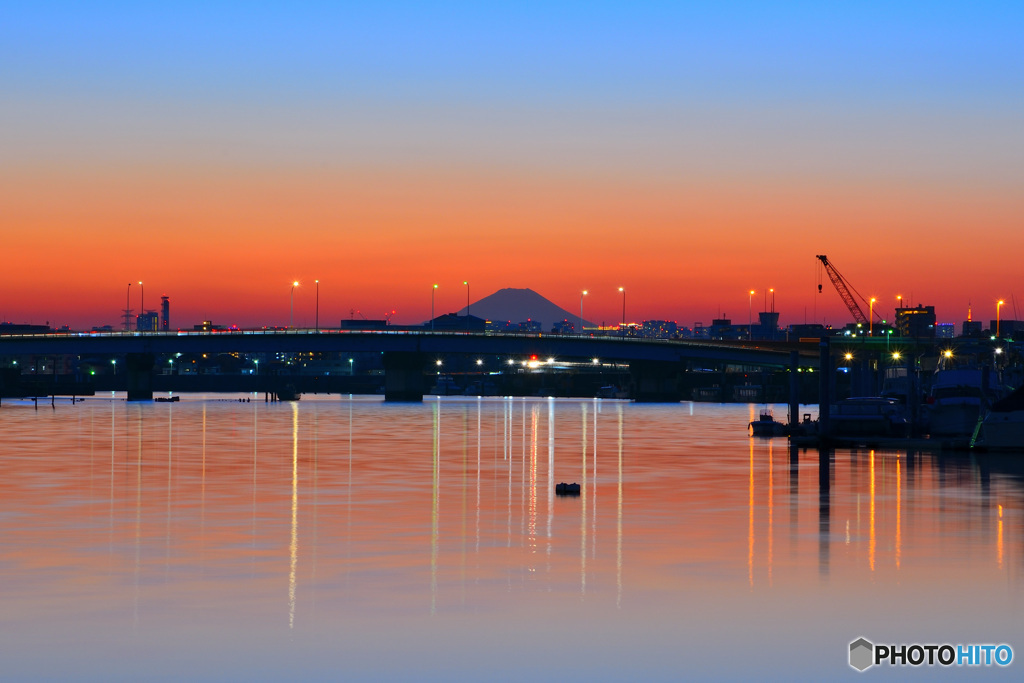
x=520, y=305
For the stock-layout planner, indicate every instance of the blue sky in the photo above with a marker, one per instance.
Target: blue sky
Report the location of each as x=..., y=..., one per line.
x=578, y=52
x=805, y=123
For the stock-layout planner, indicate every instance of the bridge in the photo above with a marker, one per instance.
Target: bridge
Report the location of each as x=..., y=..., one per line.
x=652, y=362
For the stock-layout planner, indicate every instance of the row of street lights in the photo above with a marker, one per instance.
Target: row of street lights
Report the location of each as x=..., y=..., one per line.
x=871, y=309
x=291, y=320
x=584, y=293
x=750, y=308
x=622, y=323
x=433, y=290
x=128, y=304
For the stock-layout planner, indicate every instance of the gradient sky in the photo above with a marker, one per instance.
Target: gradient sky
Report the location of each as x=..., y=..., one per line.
x=690, y=153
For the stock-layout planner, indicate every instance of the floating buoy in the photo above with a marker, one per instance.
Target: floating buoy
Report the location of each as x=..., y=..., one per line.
x=564, y=489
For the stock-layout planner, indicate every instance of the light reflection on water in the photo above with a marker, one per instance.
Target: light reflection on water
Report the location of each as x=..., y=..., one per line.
x=348, y=538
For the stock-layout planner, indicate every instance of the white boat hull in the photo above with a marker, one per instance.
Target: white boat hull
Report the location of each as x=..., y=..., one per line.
x=1003, y=431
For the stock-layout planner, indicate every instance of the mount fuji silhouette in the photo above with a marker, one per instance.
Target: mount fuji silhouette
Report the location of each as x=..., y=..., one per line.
x=519, y=305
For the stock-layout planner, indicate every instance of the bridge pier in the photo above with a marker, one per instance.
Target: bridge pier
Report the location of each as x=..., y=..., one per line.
x=794, y=389
x=655, y=382
x=140, y=376
x=403, y=376
x=824, y=387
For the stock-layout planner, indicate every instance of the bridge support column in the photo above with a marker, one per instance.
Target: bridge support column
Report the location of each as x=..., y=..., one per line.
x=403, y=376
x=655, y=382
x=140, y=376
x=794, y=389
x=824, y=387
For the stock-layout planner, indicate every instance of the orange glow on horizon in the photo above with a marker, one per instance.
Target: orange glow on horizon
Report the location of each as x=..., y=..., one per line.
x=215, y=241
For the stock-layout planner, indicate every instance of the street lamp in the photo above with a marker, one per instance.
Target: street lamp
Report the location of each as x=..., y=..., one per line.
x=871, y=317
x=291, y=322
x=317, y=318
x=142, y=301
x=773, y=299
x=998, y=304
x=623, y=290
x=128, y=309
x=466, y=282
x=582, y=294
x=432, y=307
x=750, y=316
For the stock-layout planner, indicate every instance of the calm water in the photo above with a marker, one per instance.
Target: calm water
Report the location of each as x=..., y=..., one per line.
x=347, y=539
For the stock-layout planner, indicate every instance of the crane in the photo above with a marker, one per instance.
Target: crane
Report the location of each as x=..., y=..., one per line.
x=846, y=291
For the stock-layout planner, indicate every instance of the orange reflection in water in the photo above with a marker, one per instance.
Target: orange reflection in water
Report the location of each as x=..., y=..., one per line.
x=328, y=512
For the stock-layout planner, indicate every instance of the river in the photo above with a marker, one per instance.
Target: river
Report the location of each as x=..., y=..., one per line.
x=342, y=538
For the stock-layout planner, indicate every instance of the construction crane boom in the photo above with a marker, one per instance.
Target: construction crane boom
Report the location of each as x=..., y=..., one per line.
x=844, y=289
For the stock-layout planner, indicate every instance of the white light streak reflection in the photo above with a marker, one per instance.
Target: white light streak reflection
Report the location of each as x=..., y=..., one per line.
x=293, y=547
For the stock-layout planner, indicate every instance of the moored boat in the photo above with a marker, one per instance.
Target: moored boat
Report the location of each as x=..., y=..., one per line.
x=868, y=416
x=1002, y=428
x=958, y=397
x=767, y=425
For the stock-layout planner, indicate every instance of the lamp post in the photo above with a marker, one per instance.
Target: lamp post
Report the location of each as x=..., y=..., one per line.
x=466, y=282
x=432, y=307
x=750, y=316
x=317, y=316
x=128, y=309
x=998, y=304
x=582, y=294
x=142, y=301
x=899, y=307
x=291, y=320
x=773, y=298
x=871, y=317
x=623, y=323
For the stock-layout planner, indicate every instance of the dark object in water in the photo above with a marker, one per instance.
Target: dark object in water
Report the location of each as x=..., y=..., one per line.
x=167, y=399
x=564, y=489
x=766, y=425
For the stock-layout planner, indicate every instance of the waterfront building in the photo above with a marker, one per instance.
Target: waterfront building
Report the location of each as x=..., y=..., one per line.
x=450, y=322
x=659, y=329
x=918, y=322
x=970, y=328
x=147, y=322
x=165, y=310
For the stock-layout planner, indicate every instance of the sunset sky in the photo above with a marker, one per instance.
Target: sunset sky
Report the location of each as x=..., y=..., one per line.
x=687, y=152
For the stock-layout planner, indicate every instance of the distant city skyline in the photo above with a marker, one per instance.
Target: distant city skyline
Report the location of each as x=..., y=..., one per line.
x=306, y=319
x=686, y=154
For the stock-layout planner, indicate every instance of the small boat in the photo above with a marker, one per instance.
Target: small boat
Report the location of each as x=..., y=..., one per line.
x=766, y=425
x=445, y=386
x=958, y=397
x=869, y=416
x=167, y=399
x=1002, y=428
x=612, y=391
x=288, y=393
